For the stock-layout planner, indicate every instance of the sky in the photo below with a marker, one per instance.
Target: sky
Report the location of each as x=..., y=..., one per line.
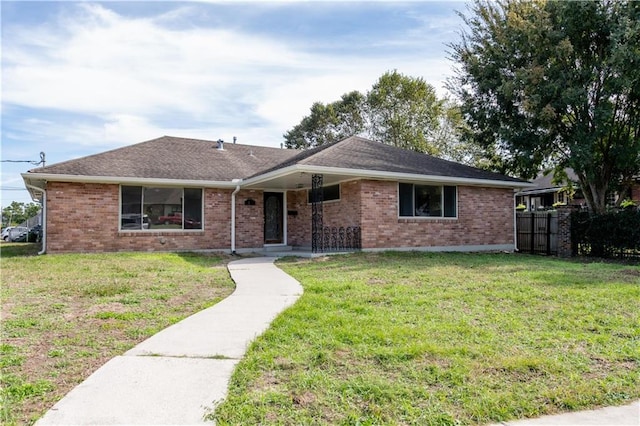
x=79, y=78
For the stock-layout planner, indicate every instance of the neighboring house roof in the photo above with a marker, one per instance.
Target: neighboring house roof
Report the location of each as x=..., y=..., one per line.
x=170, y=159
x=544, y=183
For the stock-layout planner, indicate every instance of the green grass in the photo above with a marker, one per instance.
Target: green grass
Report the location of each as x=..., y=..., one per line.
x=439, y=339
x=63, y=316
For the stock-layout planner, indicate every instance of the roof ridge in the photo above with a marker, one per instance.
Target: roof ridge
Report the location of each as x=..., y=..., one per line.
x=302, y=155
x=226, y=143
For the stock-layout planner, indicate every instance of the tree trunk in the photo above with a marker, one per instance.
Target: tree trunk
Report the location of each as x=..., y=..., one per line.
x=594, y=194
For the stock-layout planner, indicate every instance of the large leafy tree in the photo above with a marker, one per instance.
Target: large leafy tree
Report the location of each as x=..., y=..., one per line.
x=404, y=111
x=328, y=123
x=398, y=110
x=554, y=84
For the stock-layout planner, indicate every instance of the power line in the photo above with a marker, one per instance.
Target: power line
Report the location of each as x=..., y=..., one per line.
x=35, y=163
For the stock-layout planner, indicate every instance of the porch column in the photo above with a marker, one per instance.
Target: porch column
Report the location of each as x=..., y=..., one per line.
x=317, y=223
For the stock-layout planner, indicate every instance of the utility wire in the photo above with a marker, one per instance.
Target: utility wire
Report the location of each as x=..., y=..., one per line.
x=35, y=163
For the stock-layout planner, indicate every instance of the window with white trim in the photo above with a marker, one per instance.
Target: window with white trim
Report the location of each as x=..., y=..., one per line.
x=427, y=200
x=143, y=208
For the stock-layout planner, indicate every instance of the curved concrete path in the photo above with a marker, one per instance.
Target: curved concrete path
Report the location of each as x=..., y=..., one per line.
x=177, y=375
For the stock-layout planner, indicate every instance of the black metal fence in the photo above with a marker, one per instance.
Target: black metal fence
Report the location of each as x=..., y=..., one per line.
x=614, y=235
x=537, y=232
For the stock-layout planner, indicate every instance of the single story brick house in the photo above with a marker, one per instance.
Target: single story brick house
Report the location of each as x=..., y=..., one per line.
x=171, y=194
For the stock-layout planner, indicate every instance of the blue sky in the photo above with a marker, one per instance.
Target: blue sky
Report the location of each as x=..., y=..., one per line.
x=80, y=78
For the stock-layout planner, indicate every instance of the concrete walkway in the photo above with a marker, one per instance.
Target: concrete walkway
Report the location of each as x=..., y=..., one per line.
x=607, y=416
x=177, y=375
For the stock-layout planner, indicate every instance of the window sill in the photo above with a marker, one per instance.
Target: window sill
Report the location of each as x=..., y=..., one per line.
x=165, y=232
x=418, y=219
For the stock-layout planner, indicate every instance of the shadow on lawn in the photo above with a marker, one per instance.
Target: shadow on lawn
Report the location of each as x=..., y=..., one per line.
x=543, y=270
x=19, y=249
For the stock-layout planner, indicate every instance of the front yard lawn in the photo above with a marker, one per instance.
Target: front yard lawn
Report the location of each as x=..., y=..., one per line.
x=63, y=316
x=438, y=339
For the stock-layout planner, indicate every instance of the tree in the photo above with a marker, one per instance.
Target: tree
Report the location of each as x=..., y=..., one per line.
x=399, y=110
x=404, y=111
x=449, y=143
x=552, y=84
x=328, y=123
x=17, y=213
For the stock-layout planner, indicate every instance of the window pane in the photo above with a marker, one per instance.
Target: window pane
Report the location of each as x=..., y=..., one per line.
x=406, y=199
x=192, y=208
x=450, y=201
x=131, y=208
x=163, y=206
x=329, y=193
x=428, y=200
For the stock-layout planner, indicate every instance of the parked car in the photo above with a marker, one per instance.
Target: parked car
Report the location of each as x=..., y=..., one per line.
x=33, y=235
x=12, y=232
x=134, y=221
x=174, y=218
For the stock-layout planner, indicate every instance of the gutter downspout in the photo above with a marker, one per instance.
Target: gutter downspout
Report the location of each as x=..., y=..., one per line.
x=233, y=217
x=44, y=217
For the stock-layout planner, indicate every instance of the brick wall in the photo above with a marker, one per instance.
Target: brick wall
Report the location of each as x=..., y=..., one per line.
x=565, y=246
x=635, y=192
x=485, y=217
x=298, y=223
x=85, y=218
x=344, y=212
x=249, y=219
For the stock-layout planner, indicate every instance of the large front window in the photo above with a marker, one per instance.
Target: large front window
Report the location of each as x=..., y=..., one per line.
x=427, y=200
x=160, y=208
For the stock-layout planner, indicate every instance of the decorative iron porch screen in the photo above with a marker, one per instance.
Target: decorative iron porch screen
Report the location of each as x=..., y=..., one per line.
x=427, y=200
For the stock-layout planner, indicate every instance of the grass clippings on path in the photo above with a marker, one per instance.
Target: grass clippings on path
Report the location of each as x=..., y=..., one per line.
x=442, y=339
x=63, y=316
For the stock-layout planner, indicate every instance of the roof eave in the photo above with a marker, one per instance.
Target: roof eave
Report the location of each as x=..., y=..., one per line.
x=376, y=174
x=32, y=178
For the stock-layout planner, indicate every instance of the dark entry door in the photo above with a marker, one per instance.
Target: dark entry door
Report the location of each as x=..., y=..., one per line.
x=273, y=218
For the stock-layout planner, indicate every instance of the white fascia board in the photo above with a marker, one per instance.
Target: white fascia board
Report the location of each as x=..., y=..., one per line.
x=49, y=177
x=376, y=174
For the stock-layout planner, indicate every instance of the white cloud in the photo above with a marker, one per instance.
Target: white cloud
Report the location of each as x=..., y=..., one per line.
x=139, y=78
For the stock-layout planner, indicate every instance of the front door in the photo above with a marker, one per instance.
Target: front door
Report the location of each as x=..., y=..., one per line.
x=273, y=218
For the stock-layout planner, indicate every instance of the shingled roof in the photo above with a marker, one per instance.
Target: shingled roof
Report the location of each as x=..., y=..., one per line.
x=173, y=158
x=363, y=154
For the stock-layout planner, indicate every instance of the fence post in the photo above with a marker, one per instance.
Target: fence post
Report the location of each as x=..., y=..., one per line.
x=565, y=247
x=548, y=233
x=533, y=232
